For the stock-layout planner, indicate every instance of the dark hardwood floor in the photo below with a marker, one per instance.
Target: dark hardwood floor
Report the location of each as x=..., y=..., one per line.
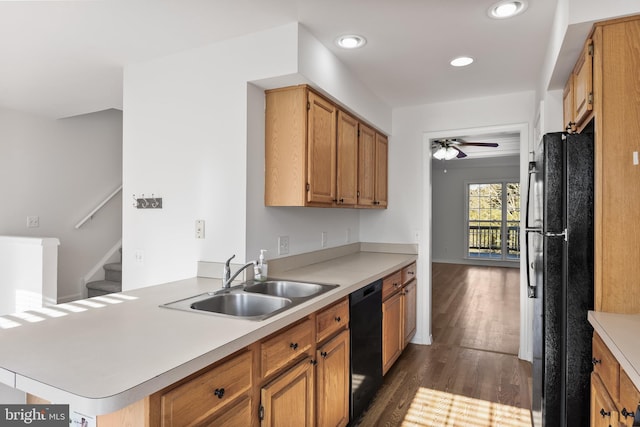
x=471, y=374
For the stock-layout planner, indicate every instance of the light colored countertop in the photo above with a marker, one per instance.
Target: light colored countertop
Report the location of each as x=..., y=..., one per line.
x=123, y=347
x=620, y=333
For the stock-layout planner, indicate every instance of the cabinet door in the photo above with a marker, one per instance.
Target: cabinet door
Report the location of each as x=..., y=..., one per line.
x=567, y=105
x=606, y=366
x=332, y=375
x=347, y=162
x=366, y=166
x=238, y=414
x=382, y=148
x=392, y=335
x=583, y=85
x=629, y=399
x=321, y=150
x=288, y=400
x=409, y=310
x=603, y=410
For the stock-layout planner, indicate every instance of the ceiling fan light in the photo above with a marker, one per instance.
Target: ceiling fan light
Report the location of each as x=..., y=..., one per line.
x=450, y=153
x=440, y=153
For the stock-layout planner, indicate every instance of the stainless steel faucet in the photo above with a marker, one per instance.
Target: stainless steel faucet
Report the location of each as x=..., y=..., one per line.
x=227, y=277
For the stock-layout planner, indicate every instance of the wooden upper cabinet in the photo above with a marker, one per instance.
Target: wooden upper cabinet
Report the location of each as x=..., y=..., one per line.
x=321, y=151
x=382, y=150
x=317, y=154
x=347, y=162
x=366, y=166
x=285, y=147
x=372, y=174
x=617, y=135
x=300, y=148
x=582, y=87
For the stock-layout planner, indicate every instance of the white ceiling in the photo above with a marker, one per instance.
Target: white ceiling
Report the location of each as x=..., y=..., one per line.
x=62, y=58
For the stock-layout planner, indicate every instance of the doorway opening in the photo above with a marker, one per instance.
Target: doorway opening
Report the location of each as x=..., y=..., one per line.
x=447, y=184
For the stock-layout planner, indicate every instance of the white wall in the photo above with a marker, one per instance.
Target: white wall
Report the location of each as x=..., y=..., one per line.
x=194, y=134
x=448, y=204
x=60, y=170
x=410, y=174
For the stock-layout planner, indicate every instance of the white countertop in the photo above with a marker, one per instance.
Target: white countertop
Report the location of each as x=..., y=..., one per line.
x=126, y=347
x=620, y=333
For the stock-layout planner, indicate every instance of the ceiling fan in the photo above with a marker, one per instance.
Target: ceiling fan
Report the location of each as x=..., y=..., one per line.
x=447, y=149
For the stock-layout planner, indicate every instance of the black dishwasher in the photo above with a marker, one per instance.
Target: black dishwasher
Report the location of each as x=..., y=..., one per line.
x=365, y=311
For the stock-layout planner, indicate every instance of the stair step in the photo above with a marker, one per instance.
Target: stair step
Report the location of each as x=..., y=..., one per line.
x=103, y=287
x=113, y=272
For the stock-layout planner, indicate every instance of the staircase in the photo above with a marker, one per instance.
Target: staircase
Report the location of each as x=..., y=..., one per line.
x=112, y=280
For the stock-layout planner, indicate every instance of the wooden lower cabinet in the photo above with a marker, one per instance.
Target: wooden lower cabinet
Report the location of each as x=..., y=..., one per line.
x=603, y=411
x=298, y=376
x=288, y=400
x=399, y=309
x=409, y=308
x=392, y=336
x=332, y=382
x=614, y=398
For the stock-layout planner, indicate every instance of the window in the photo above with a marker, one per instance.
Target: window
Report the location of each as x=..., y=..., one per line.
x=493, y=220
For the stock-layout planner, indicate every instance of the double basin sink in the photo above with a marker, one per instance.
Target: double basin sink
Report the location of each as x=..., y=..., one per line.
x=252, y=300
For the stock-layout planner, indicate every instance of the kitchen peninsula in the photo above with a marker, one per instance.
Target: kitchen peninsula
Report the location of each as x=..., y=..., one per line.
x=103, y=354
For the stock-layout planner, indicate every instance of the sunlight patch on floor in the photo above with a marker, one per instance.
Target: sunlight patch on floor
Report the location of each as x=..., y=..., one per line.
x=433, y=408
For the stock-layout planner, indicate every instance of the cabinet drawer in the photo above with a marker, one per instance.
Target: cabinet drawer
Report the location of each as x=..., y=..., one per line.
x=629, y=399
x=286, y=346
x=408, y=273
x=391, y=284
x=197, y=399
x=606, y=366
x=332, y=319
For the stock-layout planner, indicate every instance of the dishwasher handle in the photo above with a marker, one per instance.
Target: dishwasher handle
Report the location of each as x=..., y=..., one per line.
x=365, y=292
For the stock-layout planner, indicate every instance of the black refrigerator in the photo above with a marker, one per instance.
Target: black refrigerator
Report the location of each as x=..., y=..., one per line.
x=559, y=239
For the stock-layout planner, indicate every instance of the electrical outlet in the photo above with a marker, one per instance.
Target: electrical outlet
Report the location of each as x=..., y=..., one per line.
x=283, y=245
x=323, y=239
x=199, y=228
x=33, y=221
x=139, y=255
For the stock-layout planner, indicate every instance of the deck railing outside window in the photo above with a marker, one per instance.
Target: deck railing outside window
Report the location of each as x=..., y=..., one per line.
x=485, y=239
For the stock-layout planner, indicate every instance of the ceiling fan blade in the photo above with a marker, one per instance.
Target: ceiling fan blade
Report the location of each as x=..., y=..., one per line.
x=460, y=155
x=479, y=144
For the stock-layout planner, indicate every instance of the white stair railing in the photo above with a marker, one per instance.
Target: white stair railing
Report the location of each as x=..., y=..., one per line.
x=97, y=208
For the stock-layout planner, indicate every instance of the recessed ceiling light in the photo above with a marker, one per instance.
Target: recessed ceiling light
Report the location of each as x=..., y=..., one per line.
x=507, y=9
x=461, y=61
x=351, y=41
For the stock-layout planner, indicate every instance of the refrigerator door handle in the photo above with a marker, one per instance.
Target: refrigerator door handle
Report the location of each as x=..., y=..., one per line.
x=563, y=233
x=532, y=171
x=531, y=288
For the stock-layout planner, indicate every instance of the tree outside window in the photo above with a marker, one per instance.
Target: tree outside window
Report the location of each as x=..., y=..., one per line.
x=493, y=220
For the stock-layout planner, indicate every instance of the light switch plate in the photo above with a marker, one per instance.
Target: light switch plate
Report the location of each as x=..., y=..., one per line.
x=199, y=228
x=33, y=221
